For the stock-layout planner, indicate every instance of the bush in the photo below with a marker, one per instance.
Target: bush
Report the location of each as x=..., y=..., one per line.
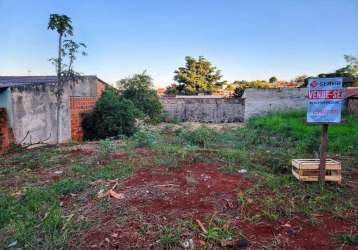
x=112, y=116
x=201, y=137
x=138, y=89
x=145, y=137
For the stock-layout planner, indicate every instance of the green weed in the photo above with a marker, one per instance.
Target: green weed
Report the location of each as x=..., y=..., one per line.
x=34, y=221
x=145, y=137
x=348, y=239
x=67, y=186
x=170, y=237
x=112, y=171
x=202, y=137
x=106, y=148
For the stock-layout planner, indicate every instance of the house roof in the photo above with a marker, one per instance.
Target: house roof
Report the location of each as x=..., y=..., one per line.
x=13, y=81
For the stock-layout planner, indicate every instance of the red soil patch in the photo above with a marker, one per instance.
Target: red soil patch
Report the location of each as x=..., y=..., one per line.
x=143, y=152
x=194, y=191
x=120, y=156
x=297, y=233
x=160, y=196
x=80, y=152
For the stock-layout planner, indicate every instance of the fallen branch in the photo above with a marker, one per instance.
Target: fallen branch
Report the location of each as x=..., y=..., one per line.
x=201, y=226
x=110, y=193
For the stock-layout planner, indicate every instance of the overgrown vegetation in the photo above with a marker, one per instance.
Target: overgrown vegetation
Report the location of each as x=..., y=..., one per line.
x=33, y=215
x=139, y=89
x=112, y=116
x=116, y=112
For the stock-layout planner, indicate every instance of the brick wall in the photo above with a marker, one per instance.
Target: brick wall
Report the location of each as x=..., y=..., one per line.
x=6, y=135
x=79, y=105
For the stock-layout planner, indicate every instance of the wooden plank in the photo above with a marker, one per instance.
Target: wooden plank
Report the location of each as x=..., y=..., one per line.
x=327, y=178
x=315, y=160
x=314, y=164
x=334, y=175
x=295, y=174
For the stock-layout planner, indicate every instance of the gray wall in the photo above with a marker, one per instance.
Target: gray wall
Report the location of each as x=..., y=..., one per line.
x=265, y=101
x=255, y=102
x=34, y=110
x=203, y=109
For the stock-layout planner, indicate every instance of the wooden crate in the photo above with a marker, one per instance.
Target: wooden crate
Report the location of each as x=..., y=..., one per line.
x=308, y=170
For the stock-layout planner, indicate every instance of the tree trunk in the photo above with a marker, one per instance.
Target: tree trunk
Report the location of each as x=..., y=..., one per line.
x=59, y=89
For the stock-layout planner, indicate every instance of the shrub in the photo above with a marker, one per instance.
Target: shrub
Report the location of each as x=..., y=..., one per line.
x=138, y=89
x=112, y=116
x=201, y=137
x=106, y=148
x=67, y=186
x=145, y=137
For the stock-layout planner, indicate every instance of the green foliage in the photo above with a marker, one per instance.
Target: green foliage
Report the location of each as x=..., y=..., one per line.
x=80, y=168
x=172, y=90
x=106, y=148
x=145, y=137
x=36, y=220
x=139, y=89
x=273, y=79
x=350, y=71
x=170, y=237
x=201, y=137
x=197, y=77
x=112, y=116
x=64, y=62
x=348, y=239
x=291, y=127
x=30, y=159
x=61, y=23
x=112, y=171
x=67, y=186
x=219, y=229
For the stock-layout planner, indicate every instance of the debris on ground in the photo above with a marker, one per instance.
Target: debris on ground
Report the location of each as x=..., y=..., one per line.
x=110, y=193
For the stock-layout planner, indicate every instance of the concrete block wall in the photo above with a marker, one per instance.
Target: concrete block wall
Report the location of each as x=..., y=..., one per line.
x=203, y=108
x=34, y=110
x=255, y=102
x=34, y=114
x=265, y=101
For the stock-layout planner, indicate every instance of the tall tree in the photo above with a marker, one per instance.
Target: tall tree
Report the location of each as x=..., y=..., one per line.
x=67, y=50
x=197, y=77
x=273, y=79
x=351, y=69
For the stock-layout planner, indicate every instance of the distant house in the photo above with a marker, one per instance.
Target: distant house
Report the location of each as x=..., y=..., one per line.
x=28, y=106
x=161, y=91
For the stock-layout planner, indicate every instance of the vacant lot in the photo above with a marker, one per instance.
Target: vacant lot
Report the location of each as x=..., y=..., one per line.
x=171, y=186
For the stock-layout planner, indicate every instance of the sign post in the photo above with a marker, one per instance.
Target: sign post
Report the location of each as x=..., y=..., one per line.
x=324, y=107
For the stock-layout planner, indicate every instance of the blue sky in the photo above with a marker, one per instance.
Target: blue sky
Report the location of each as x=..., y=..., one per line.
x=248, y=40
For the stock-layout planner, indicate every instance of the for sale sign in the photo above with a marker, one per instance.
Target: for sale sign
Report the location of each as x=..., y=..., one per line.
x=324, y=100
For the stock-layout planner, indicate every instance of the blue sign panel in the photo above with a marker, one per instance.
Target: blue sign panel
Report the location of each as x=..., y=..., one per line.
x=325, y=97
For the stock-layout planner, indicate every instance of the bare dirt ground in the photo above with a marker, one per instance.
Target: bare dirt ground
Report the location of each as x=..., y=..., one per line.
x=154, y=198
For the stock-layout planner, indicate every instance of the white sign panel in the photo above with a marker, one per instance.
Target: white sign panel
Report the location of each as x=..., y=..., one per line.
x=325, y=97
